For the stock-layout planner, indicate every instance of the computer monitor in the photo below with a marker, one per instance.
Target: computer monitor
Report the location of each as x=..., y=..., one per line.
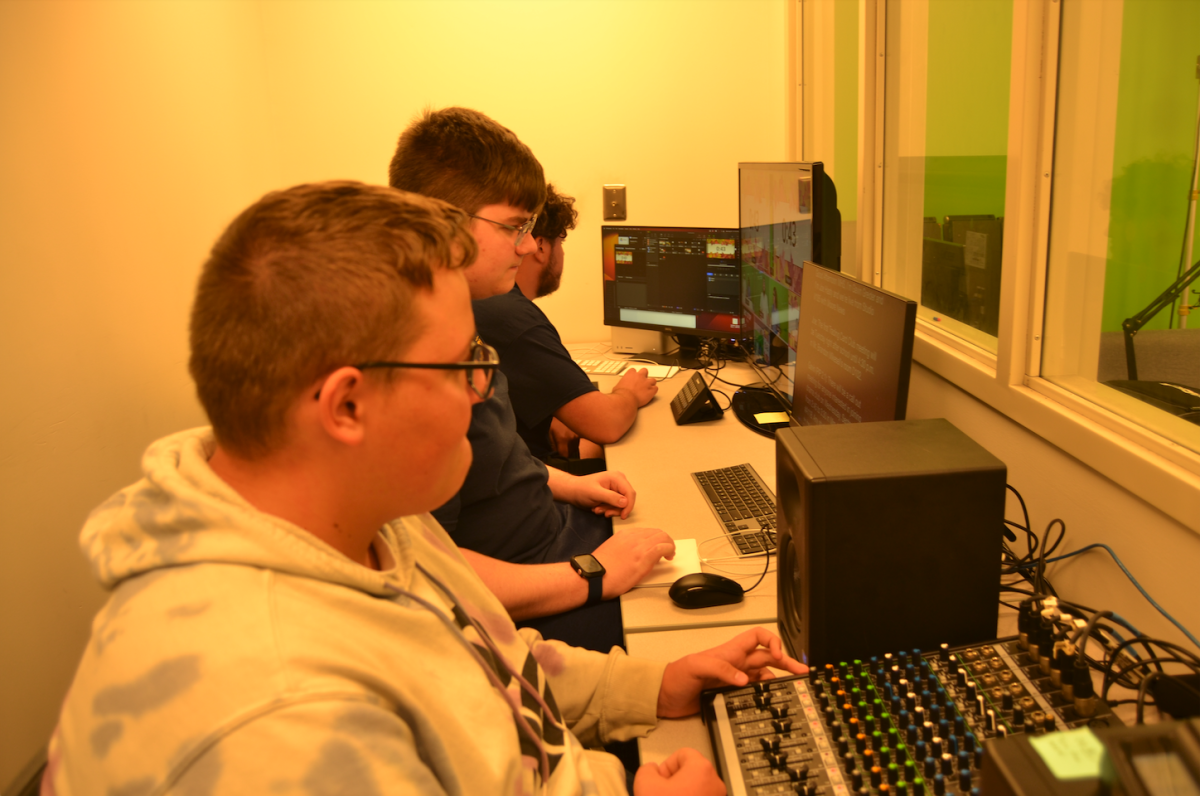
x=855, y=354
x=683, y=281
x=789, y=217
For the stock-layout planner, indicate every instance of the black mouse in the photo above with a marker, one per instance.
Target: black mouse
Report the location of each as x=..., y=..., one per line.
x=702, y=589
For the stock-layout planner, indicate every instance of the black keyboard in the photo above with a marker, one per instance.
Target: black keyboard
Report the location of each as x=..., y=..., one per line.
x=744, y=506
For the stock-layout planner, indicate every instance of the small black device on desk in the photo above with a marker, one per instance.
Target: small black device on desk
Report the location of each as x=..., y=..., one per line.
x=695, y=402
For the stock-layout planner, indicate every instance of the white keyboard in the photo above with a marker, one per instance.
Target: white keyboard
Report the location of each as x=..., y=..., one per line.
x=605, y=367
x=614, y=367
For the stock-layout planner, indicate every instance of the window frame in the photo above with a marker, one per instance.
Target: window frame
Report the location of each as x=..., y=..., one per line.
x=1149, y=465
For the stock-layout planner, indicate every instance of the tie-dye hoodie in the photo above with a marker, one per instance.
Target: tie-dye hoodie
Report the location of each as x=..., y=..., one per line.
x=238, y=653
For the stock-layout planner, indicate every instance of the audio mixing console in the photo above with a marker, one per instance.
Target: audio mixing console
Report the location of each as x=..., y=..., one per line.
x=902, y=723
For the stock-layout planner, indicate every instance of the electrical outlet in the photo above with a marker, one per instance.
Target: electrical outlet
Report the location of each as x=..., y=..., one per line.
x=614, y=203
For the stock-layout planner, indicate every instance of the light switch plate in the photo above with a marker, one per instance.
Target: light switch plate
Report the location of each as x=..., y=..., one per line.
x=614, y=203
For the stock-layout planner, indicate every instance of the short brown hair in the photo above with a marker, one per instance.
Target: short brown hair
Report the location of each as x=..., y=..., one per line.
x=305, y=281
x=465, y=158
x=558, y=215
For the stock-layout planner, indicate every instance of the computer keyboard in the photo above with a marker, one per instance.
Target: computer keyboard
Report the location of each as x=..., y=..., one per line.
x=604, y=367
x=743, y=504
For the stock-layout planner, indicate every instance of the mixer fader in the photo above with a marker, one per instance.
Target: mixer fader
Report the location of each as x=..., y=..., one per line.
x=902, y=723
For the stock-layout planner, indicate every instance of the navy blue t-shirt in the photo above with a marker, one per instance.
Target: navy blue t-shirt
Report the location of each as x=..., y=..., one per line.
x=505, y=508
x=542, y=377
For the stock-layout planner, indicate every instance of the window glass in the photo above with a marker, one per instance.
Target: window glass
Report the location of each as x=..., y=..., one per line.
x=945, y=160
x=1125, y=148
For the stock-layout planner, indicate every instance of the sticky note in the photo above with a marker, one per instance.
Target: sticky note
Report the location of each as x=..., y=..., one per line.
x=1074, y=754
x=771, y=417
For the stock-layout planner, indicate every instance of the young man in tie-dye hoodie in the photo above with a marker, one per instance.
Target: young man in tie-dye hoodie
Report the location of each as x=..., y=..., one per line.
x=272, y=627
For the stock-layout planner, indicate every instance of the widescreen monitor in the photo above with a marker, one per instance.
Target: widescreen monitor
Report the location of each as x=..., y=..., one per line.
x=684, y=281
x=855, y=353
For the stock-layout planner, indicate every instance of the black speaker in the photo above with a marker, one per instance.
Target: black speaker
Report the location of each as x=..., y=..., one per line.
x=889, y=538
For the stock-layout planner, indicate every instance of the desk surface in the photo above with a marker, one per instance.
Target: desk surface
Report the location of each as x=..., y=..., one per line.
x=659, y=457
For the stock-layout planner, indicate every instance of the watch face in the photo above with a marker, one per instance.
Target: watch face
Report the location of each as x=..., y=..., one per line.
x=587, y=566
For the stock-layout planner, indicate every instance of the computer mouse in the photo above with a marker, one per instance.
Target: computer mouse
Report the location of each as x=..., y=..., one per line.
x=703, y=589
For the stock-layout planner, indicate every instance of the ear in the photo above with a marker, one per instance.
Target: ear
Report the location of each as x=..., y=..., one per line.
x=341, y=405
x=542, y=255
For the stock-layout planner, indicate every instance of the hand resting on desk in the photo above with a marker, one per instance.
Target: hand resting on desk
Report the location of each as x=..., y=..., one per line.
x=629, y=554
x=685, y=773
x=608, y=493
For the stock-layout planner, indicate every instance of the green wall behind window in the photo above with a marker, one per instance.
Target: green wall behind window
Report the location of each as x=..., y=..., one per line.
x=1152, y=159
x=845, y=108
x=966, y=133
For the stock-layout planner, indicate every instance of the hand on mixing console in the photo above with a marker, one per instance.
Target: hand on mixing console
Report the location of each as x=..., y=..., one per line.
x=684, y=773
x=743, y=659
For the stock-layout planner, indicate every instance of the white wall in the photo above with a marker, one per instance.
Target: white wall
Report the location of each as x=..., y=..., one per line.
x=133, y=131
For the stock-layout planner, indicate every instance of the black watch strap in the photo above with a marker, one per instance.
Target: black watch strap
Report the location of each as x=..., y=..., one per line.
x=592, y=571
x=595, y=591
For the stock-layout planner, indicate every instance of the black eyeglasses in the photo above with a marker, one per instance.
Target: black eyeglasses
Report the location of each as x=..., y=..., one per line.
x=521, y=231
x=480, y=368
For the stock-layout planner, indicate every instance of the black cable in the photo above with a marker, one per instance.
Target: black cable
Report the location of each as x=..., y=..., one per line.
x=766, y=567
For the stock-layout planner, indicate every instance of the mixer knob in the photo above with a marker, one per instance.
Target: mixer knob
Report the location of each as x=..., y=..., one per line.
x=912, y=734
x=1018, y=715
x=860, y=743
x=779, y=711
x=798, y=774
x=939, y=785
x=893, y=774
x=1048, y=722
x=927, y=731
x=936, y=746
x=876, y=776
x=970, y=742
x=1006, y=701
x=849, y=761
x=856, y=778
x=930, y=767
x=964, y=780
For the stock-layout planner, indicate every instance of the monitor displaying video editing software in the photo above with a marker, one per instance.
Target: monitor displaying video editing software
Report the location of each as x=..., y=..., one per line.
x=679, y=280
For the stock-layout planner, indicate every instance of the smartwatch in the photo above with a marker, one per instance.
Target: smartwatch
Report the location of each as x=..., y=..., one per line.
x=592, y=571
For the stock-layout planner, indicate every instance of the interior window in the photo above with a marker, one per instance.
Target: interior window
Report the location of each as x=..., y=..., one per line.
x=1117, y=328
x=945, y=160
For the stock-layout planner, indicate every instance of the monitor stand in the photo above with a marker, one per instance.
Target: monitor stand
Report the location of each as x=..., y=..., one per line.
x=756, y=399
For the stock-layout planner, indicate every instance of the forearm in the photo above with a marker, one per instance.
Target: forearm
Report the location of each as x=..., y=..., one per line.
x=601, y=417
x=530, y=590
